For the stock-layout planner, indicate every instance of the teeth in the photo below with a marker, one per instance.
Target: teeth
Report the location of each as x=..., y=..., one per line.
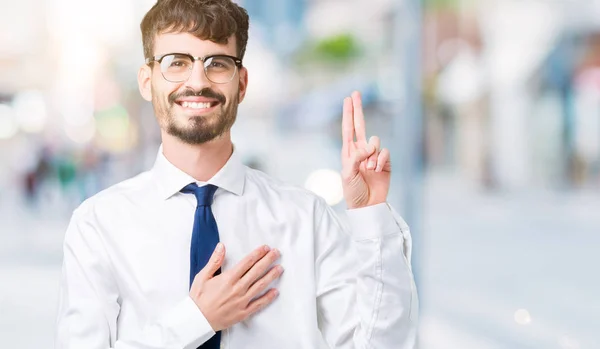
x=195, y=105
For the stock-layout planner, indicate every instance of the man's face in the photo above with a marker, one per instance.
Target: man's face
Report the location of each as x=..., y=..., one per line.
x=196, y=110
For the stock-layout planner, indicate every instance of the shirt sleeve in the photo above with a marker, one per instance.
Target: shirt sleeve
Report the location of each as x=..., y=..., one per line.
x=89, y=302
x=366, y=295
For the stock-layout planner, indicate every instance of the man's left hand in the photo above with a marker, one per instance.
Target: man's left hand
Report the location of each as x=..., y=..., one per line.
x=366, y=168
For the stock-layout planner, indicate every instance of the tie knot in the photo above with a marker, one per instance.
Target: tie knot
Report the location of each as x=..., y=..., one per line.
x=204, y=195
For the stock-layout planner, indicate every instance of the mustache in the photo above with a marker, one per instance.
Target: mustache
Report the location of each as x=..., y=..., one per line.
x=205, y=92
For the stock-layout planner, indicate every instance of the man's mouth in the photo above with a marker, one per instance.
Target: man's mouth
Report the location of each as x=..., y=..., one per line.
x=198, y=105
x=203, y=101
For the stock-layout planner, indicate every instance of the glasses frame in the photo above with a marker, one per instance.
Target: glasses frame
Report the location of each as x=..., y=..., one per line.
x=159, y=58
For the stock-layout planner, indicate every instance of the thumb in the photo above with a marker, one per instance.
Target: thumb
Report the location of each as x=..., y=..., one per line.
x=214, y=263
x=360, y=155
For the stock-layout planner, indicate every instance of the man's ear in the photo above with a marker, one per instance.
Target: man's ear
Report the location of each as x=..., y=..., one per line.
x=243, y=83
x=145, y=82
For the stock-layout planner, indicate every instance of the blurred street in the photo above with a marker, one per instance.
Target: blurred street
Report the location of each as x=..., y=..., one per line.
x=30, y=258
x=491, y=111
x=509, y=270
x=498, y=271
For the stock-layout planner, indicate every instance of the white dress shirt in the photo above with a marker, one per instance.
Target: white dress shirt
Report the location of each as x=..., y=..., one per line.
x=125, y=275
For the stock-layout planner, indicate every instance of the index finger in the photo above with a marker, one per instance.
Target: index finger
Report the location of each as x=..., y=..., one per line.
x=359, y=118
x=347, y=123
x=245, y=264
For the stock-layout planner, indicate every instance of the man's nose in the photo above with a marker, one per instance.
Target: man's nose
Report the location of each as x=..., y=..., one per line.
x=198, y=80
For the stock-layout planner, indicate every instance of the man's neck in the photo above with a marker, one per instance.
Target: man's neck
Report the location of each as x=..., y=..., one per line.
x=201, y=161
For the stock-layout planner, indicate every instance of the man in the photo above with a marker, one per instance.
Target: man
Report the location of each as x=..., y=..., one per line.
x=191, y=253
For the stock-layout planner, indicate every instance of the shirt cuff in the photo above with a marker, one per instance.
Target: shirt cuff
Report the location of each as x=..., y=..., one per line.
x=189, y=324
x=372, y=222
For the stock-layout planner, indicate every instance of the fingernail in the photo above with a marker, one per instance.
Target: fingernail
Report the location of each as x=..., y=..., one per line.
x=280, y=268
x=370, y=165
x=267, y=248
x=219, y=247
x=276, y=292
x=378, y=169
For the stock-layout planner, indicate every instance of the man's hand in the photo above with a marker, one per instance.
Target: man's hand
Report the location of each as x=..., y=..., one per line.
x=228, y=298
x=366, y=168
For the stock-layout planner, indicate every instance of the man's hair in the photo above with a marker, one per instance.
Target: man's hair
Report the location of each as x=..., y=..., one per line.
x=214, y=20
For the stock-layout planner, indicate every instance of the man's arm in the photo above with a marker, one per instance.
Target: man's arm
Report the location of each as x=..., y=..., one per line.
x=89, y=297
x=366, y=295
x=89, y=301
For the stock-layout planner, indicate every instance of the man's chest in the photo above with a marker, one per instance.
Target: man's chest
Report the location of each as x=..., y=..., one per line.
x=152, y=247
x=153, y=259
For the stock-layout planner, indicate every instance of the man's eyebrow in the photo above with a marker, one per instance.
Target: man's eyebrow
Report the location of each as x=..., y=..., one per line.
x=206, y=55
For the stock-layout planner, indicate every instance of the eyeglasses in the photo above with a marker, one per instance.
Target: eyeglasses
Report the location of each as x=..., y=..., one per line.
x=177, y=67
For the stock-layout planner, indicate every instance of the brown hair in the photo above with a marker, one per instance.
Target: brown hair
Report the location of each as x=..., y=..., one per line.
x=214, y=20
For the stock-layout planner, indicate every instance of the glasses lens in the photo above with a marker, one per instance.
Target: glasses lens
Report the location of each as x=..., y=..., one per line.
x=176, y=67
x=220, y=69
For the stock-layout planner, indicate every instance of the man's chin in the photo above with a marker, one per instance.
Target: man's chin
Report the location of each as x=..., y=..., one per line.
x=193, y=138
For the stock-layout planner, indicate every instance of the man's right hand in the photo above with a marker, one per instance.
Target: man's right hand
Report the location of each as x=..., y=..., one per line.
x=228, y=298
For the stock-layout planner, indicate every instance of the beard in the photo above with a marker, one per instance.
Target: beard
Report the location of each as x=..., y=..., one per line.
x=199, y=129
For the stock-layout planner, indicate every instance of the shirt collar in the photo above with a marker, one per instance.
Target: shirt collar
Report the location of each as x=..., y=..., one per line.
x=170, y=179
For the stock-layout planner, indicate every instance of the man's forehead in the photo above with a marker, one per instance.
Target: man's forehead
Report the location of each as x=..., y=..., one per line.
x=188, y=43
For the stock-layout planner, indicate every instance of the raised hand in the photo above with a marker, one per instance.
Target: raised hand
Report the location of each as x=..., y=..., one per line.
x=366, y=168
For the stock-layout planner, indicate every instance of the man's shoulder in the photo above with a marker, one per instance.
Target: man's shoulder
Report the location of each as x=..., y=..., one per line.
x=278, y=189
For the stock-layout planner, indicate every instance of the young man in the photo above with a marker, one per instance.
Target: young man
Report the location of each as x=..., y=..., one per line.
x=191, y=253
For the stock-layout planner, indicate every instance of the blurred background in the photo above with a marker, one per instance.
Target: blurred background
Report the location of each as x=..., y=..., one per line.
x=491, y=110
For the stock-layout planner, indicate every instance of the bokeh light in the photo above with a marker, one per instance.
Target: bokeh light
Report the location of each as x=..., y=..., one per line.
x=327, y=184
x=8, y=123
x=31, y=111
x=522, y=317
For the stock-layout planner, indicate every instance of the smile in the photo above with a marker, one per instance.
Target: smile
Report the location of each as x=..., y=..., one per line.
x=198, y=105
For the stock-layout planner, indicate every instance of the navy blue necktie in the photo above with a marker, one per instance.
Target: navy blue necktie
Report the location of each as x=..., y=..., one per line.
x=205, y=238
